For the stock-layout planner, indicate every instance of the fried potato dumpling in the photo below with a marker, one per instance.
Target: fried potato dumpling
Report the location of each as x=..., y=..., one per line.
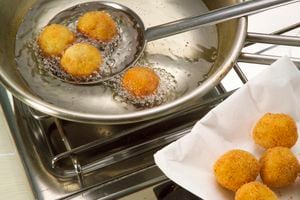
x=54, y=39
x=236, y=168
x=274, y=130
x=97, y=25
x=140, y=81
x=81, y=60
x=279, y=167
x=255, y=191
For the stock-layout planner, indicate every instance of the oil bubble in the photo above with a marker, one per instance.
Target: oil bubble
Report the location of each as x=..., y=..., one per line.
x=165, y=91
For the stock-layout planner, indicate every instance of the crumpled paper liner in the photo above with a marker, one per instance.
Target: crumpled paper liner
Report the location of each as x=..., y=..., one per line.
x=189, y=160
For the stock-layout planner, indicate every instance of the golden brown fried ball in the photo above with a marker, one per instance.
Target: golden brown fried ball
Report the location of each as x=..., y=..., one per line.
x=279, y=167
x=54, y=39
x=81, y=60
x=274, y=130
x=140, y=81
x=235, y=168
x=98, y=25
x=255, y=191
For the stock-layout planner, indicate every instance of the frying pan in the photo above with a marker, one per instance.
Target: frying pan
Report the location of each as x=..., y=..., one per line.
x=198, y=59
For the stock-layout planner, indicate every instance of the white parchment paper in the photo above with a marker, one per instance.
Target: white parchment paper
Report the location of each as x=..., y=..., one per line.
x=189, y=161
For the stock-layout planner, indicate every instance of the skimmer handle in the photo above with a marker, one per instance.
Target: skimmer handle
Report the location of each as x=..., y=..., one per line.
x=213, y=17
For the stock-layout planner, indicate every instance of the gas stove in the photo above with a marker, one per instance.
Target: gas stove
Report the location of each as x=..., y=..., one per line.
x=70, y=160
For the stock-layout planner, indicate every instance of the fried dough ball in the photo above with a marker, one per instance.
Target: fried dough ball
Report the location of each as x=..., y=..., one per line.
x=279, y=167
x=81, y=60
x=54, y=39
x=98, y=25
x=140, y=81
x=255, y=191
x=274, y=130
x=235, y=168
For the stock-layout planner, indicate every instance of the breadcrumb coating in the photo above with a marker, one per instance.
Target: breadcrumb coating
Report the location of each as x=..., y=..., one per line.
x=279, y=167
x=235, y=168
x=140, y=81
x=274, y=130
x=97, y=25
x=81, y=60
x=54, y=39
x=255, y=191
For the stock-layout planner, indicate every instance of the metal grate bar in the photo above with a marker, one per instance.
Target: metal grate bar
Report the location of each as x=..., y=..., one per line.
x=221, y=89
x=76, y=164
x=240, y=73
x=263, y=59
x=273, y=39
x=97, y=143
x=135, y=151
x=279, y=32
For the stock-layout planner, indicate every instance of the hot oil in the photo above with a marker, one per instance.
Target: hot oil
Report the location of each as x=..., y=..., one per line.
x=177, y=55
x=110, y=52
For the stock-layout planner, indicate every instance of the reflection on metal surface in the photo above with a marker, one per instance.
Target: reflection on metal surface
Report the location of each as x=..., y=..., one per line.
x=82, y=161
x=273, y=39
x=81, y=103
x=263, y=59
x=70, y=160
x=96, y=161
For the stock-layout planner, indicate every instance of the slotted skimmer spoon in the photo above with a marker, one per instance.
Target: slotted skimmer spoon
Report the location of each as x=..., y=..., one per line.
x=179, y=26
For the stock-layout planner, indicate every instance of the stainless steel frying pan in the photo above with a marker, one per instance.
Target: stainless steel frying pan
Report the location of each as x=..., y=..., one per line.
x=198, y=59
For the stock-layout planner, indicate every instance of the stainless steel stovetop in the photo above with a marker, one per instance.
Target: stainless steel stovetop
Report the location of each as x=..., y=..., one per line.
x=68, y=160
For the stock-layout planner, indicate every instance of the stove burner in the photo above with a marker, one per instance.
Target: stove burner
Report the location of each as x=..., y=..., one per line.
x=171, y=191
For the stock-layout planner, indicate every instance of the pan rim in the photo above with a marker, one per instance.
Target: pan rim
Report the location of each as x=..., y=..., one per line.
x=137, y=116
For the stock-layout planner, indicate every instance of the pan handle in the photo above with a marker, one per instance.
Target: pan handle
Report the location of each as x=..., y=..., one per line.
x=258, y=58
